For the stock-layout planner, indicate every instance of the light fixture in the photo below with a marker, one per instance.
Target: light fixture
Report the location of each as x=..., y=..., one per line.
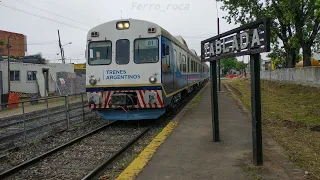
x=93, y=81
x=123, y=25
x=153, y=79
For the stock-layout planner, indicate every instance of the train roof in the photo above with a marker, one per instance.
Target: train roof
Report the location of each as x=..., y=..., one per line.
x=176, y=39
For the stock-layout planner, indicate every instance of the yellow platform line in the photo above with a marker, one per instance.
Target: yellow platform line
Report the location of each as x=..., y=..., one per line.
x=137, y=165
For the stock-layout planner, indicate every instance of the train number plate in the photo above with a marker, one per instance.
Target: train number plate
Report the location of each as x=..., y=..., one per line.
x=94, y=98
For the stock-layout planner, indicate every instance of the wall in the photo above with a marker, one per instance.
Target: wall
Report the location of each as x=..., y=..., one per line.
x=26, y=86
x=305, y=75
x=17, y=42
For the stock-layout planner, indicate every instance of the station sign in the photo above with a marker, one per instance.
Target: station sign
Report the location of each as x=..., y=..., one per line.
x=252, y=38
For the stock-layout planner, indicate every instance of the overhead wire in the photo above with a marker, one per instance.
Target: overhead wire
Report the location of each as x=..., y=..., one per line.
x=29, y=4
x=59, y=5
x=43, y=17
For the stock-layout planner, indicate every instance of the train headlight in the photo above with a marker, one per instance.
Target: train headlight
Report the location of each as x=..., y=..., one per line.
x=126, y=25
x=123, y=25
x=93, y=81
x=153, y=79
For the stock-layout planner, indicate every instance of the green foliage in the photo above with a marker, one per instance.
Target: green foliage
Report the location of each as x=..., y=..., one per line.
x=232, y=64
x=1, y=43
x=228, y=64
x=241, y=66
x=278, y=57
x=295, y=22
x=276, y=53
x=14, y=57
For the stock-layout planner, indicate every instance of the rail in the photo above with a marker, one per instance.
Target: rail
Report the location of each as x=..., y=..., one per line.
x=28, y=122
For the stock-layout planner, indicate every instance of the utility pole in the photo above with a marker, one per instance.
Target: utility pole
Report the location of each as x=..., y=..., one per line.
x=219, y=59
x=218, y=25
x=61, y=48
x=8, y=46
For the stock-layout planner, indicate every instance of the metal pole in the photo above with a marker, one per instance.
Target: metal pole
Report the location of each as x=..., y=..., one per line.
x=61, y=49
x=47, y=104
x=256, y=109
x=24, y=123
x=67, y=111
x=82, y=107
x=219, y=59
x=214, y=102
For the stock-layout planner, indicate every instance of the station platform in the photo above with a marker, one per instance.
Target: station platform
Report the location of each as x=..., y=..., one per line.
x=189, y=152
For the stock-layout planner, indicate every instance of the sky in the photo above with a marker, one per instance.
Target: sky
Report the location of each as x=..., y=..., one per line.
x=39, y=20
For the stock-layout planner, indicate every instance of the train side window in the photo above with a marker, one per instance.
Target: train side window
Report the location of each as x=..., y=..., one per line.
x=184, y=64
x=123, y=51
x=192, y=66
x=175, y=59
x=180, y=61
x=188, y=67
x=168, y=55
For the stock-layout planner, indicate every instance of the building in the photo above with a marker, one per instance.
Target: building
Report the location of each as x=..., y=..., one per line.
x=80, y=69
x=18, y=44
x=31, y=76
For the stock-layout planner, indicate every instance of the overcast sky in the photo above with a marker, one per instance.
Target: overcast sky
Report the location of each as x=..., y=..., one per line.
x=191, y=19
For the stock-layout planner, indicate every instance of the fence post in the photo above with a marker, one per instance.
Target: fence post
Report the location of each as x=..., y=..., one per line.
x=47, y=103
x=82, y=107
x=24, y=123
x=67, y=111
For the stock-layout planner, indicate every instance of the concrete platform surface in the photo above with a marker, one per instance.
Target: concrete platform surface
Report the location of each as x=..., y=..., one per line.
x=190, y=153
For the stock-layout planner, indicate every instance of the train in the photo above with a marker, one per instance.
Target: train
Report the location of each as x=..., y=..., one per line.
x=136, y=70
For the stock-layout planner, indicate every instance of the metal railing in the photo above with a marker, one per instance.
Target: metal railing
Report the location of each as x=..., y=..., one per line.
x=34, y=119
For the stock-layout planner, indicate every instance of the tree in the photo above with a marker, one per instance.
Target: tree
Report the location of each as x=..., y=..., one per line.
x=241, y=66
x=228, y=64
x=1, y=43
x=245, y=11
x=306, y=17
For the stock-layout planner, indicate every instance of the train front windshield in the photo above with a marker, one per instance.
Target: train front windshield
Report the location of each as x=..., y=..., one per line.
x=100, y=53
x=146, y=50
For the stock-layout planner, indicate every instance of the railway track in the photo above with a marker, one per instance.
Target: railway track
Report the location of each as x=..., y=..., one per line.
x=32, y=116
x=82, y=157
x=41, y=119
x=33, y=129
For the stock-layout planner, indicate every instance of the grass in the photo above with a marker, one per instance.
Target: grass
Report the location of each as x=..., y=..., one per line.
x=289, y=113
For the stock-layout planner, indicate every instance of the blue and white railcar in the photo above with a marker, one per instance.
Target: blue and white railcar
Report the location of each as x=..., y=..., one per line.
x=136, y=70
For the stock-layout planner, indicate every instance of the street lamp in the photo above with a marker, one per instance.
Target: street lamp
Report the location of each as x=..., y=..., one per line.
x=67, y=44
x=62, y=52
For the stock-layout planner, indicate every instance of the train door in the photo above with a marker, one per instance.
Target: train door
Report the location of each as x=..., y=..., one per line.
x=167, y=65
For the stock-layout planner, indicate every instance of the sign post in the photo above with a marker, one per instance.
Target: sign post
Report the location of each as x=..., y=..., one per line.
x=250, y=39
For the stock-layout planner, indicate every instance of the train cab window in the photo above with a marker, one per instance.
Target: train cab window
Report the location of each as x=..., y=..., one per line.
x=122, y=51
x=100, y=53
x=146, y=50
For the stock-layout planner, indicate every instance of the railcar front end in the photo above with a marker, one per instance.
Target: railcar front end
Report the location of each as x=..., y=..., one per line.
x=123, y=77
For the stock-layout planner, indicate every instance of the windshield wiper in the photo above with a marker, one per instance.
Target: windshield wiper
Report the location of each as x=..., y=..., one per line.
x=138, y=50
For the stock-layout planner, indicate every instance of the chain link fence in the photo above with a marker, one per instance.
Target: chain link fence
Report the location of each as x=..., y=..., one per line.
x=30, y=120
x=70, y=83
